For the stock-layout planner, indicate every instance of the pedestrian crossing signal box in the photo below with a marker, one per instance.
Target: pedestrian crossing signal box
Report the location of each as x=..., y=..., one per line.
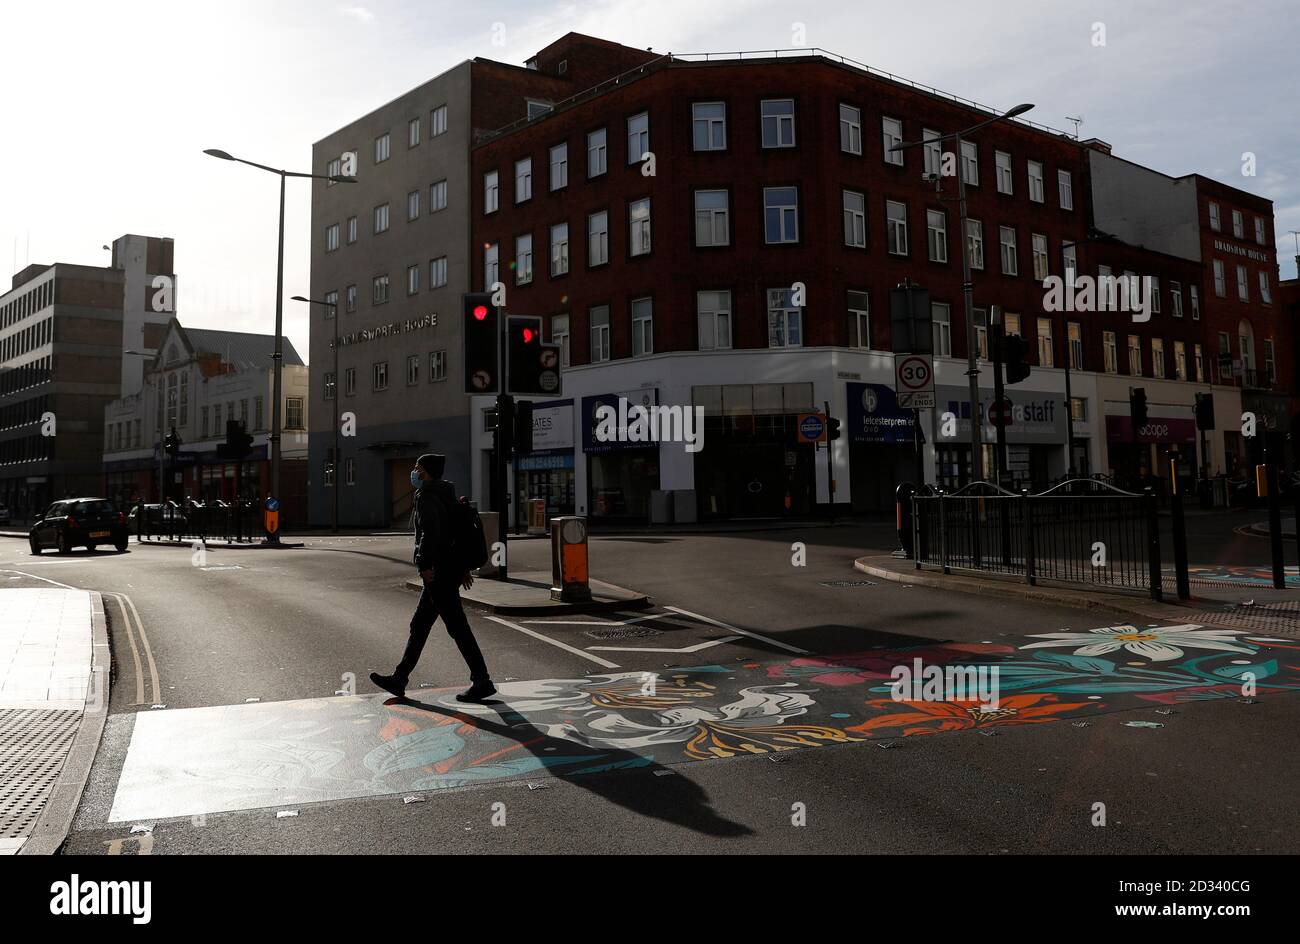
x=569, y=574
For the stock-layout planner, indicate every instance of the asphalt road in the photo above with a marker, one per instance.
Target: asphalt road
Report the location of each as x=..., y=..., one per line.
x=240, y=640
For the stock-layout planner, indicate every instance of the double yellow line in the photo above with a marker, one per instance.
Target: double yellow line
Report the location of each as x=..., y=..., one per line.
x=124, y=602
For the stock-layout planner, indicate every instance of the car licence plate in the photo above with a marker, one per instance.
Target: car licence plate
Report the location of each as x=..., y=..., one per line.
x=99, y=534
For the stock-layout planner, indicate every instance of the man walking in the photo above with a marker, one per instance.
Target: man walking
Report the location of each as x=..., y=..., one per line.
x=434, y=534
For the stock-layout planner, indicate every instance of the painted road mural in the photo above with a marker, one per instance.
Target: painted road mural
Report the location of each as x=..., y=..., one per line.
x=208, y=760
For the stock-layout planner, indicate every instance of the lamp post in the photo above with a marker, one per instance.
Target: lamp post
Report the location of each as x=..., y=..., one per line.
x=334, y=462
x=278, y=356
x=972, y=367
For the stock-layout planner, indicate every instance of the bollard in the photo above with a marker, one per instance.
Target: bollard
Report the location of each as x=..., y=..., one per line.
x=569, y=573
x=903, y=520
x=1275, y=526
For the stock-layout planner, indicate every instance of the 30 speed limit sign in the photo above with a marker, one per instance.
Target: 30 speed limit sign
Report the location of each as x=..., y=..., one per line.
x=914, y=381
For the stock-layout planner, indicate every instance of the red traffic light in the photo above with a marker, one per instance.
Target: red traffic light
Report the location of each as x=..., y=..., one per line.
x=529, y=334
x=480, y=312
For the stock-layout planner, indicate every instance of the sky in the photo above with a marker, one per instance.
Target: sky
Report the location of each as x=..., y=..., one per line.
x=109, y=106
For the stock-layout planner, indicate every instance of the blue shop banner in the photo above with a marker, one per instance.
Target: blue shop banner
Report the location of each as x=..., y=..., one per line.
x=540, y=462
x=875, y=416
x=646, y=397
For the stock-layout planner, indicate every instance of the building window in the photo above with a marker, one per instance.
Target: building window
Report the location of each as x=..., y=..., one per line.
x=1002, y=162
x=491, y=191
x=381, y=148
x=598, y=317
x=598, y=238
x=1110, y=351
x=1195, y=296
x=1065, y=189
x=982, y=333
x=350, y=299
x=1215, y=223
x=379, y=376
x=596, y=156
x=1046, y=356
x=333, y=169
x=349, y=471
x=491, y=265
x=784, y=319
x=1135, y=355
x=1041, y=266
x=413, y=205
x=941, y=322
x=437, y=196
x=559, y=249
x=1238, y=224
x=293, y=413
x=855, y=219
x=1036, y=181
x=1176, y=298
x=850, y=129
x=1153, y=291
x=1259, y=230
x=1220, y=279
x=412, y=369
x=1243, y=284
x=412, y=279
x=328, y=471
x=413, y=133
x=381, y=218
x=778, y=122
x=781, y=214
x=638, y=137
x=1180, y=360
x=643, y=336
x=713, y=313
x=711, y=218
x=1264, y=294
x=932, y=149
x=936, y=235
x=524, y=259
x=523, y=180
x=1157, y=357
x=1007, y=245
x=970, y=163
x=975, y=243
x=438, y=272
x=709, y=126
x=379, y=290
x=258, y=414
x=438, y=121
x=538, y=108
x=331, y=237
x=891, y=134
x=1074, y=335
x=203, y=412
x=352, y=230
x=896, y=227
x=1270, y=364
x=331, y=300
x=638, y=224
x=1200, y=363
x=859, y=320
x=349, y=382
x=560, y=166
x=437, y=366
x=560, y=336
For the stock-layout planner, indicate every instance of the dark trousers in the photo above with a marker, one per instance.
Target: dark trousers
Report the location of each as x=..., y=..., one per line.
x=441, y=597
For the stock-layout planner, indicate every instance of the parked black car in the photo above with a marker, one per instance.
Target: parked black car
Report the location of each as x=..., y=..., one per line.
x=79, y=522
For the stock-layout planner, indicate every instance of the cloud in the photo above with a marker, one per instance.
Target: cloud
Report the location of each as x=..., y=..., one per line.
x=362, y=14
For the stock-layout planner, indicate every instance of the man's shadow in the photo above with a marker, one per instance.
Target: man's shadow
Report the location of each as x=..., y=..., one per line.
x=647, y=788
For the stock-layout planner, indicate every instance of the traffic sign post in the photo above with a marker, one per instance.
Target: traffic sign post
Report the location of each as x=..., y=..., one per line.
x=914, y=381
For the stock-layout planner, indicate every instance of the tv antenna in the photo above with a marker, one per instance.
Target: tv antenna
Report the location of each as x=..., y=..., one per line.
x=1077, y=121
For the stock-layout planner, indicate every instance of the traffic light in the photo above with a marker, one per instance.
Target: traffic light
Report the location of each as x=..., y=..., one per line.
x=523, y=431
x=172, y=444
x=1204, y=411
x=1137, y=408
x=524, y=355
x=832, y=428
x=238, y=443
x=482, y=340
x=1016, y=352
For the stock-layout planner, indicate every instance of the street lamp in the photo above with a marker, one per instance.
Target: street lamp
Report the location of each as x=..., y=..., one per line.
x=278, y=356
x=972, y=368
x=334, y=315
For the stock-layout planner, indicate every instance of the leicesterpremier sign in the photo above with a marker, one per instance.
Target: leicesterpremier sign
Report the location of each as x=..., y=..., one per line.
x=875, y=416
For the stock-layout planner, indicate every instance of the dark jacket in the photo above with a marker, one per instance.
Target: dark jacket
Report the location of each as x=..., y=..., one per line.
x=433, y=534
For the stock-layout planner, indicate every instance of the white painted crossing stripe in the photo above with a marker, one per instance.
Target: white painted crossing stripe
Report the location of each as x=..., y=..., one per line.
x=696, y=648
x=627, y=622
x=554, y=642
x=744, y=632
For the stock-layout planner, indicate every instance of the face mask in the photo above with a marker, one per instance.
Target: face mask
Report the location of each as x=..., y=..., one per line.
x=415, y=479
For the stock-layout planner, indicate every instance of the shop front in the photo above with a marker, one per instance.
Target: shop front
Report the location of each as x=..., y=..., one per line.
x=1035, y=438
x=1144, y=460
x=548, y=471
x=622, y=470
x=881, y=442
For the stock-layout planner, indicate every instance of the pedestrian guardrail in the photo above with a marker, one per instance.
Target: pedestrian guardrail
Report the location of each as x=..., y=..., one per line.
x=210, y=521
x=1083, y=531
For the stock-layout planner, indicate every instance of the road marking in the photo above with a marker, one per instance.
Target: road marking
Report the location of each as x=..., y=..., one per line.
x=743, y=632
x=626, y=622
x=123, y=601
x=554, y=642
x=46, y=579
x=696, y=648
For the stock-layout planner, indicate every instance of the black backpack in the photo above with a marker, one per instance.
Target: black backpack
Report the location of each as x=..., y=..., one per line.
x=469, y=544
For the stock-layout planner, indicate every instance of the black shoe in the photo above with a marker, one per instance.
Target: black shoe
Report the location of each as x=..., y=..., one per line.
x=477, y=692
x=389, y=683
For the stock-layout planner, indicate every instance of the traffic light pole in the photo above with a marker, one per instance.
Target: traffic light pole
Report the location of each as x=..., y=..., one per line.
x=999, y=394
x=502, y=437
x=830, y=461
